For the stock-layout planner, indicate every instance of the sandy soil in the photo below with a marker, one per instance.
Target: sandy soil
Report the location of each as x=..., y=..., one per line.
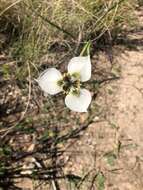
x=113, y=147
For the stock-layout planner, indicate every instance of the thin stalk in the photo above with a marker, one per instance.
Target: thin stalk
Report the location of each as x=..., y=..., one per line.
x=9, y=7
x=86, y=48
x=118, y=3
x=51, y=23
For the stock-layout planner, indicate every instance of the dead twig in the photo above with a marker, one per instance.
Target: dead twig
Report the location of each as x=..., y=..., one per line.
x=10, y=6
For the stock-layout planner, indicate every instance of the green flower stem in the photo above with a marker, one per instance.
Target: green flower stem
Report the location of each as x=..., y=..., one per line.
x=86, y=48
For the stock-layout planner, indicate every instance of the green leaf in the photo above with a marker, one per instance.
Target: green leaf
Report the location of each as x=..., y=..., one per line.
x=100, y=181
x=111, y=157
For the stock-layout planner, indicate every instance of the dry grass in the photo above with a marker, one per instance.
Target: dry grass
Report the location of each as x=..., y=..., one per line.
x=33, y=26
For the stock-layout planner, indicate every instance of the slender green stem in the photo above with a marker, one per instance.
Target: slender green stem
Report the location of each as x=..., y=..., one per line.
x=86, y=48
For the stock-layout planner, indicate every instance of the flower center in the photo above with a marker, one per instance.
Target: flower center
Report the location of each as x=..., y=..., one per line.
x=70, y=83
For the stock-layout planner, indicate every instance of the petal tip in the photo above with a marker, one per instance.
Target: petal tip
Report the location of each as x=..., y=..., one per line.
x=82, y=65
x=48, y=81
x=79, y=104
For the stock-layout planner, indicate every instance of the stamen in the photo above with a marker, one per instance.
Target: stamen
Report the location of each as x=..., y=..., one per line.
x=76, y=76
x=70, y=83
x=75, y=91
x=60, y=82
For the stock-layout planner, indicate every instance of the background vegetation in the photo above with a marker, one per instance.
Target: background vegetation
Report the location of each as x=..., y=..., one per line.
x=36, y=34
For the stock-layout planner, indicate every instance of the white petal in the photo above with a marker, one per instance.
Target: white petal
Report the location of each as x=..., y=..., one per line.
x=81, y=65
x=78, y=103
x=48, y=81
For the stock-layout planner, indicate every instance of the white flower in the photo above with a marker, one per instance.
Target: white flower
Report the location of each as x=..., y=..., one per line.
x=52, y=82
